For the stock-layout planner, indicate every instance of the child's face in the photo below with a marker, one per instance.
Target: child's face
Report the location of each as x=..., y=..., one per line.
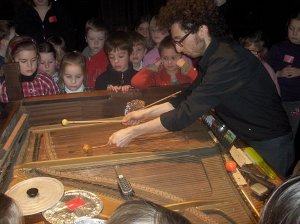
x=73, y=76
x=95, y=40
x=143, y=29
x=169, y=57
x=158, y=34
x=28, y=61
x=138, y=53
x=294, y=31
x=47, y=63
x=119, y=60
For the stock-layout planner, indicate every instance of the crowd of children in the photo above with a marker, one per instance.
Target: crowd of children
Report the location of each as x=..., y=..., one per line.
x=111, y=60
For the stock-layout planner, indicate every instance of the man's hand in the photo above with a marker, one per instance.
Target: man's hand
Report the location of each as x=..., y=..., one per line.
x=122, y=137
x=123, y=89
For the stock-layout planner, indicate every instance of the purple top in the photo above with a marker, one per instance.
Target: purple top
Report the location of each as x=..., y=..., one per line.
x=280, y=56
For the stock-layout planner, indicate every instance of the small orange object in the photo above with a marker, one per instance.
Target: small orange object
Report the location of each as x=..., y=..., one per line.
x=230, y=166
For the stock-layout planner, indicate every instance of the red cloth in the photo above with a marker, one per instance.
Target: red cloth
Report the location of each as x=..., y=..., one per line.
x=95, y=66
x=147, y=78
x=41, y=85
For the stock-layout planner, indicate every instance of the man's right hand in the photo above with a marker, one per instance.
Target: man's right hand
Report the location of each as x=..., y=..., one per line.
x=134, y=117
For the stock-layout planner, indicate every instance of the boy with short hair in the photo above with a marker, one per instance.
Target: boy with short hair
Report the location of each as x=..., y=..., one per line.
x=139, y=50
x=118, y=76
x=96, y=59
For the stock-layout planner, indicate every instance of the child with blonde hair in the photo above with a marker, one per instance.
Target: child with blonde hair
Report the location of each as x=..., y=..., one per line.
x=23, y=49
x=96, y=59
x=72, y=73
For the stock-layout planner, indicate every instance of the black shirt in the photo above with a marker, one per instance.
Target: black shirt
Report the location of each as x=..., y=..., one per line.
x=236, y=84
x=115, y=78
x=56, y=23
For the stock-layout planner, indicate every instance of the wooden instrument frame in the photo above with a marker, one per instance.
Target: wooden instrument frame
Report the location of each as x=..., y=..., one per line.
x=32, y=119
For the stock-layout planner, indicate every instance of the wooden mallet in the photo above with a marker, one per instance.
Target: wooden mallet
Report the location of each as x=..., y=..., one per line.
x=65, y=122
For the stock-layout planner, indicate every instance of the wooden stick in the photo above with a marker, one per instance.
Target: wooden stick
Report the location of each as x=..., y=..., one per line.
x=158, y=101
x=88, y=149
x=98, y=146
x=95, y=121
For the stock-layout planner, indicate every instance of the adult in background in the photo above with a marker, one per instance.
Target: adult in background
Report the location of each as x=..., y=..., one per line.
x=42, y=19
x=232, y=81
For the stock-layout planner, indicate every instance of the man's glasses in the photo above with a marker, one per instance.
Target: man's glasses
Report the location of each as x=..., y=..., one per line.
x=179, y=42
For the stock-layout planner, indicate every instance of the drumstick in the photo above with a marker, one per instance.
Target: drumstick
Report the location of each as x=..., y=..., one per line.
x=65, y=122
x=158, y=101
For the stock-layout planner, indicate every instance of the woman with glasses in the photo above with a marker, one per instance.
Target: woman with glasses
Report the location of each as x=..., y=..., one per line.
x=231, y=81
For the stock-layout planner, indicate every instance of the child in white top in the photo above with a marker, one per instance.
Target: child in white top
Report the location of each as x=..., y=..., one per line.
x=72, y=73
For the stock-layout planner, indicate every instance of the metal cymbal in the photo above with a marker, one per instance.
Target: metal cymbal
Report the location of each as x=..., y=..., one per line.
x=36, y=194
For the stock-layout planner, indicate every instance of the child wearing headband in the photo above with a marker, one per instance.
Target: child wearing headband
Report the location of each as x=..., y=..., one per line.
x=23, y=49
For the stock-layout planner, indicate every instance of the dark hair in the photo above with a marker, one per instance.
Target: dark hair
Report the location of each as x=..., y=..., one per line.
x=146, y=212
x=167, y=42
x=10, y=213
x=191, y=14
x=283, y=206
x=141, y=20
x=5, y=26
x=47, y=47
x=118, y=40
x=294, y=15
x=138, y=39
x=57, y=41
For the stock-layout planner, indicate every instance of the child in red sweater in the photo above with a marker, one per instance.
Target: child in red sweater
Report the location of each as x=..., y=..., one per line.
x=96, y=59
x=171, y=69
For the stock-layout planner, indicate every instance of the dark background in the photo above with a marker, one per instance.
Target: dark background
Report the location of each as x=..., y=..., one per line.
x=244, y=16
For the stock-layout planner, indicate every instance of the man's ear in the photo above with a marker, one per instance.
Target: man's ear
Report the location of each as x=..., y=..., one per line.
x=202, y=31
